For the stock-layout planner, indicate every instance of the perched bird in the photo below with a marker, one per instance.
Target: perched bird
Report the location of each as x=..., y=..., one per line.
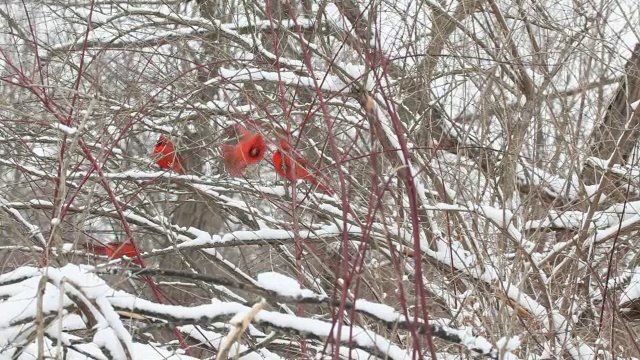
x=293, y=167
x=248, y=151
x=165, y=155
x=115, y=250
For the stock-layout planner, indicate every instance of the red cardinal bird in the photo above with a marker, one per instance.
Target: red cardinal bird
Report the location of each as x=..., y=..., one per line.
x=294, y=168
x=115, y=250
x=166, y=157
x=248, y=151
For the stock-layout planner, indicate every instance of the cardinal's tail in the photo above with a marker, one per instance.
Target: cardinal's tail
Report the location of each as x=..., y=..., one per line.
x=177, y=165
x=96, y=249
x=319, y=185
x=227, y=151
x=235, y=166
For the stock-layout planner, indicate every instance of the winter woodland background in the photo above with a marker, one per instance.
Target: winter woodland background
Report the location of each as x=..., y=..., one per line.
x=483, y=153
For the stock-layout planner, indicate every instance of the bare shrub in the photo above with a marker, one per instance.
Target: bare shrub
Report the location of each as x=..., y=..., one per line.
x=481, y=162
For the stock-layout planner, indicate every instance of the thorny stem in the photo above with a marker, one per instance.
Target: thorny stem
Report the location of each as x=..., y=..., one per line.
x=294, y=212
x=415, y=222
x=346, y=276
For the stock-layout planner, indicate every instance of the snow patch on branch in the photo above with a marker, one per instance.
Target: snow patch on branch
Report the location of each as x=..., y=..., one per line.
x=554, y=185
x=572, y=220
x=64, y=128
x=283, y=285
x=632, y=291
x=326, y=83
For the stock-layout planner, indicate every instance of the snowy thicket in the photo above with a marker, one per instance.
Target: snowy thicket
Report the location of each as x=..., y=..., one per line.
x=464, y=143
x=60, y=291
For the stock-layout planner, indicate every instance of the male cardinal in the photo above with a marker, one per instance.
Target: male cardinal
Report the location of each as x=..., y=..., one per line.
x=166, y=157
x=248, y=151
x=294, y=168
x=115, y=250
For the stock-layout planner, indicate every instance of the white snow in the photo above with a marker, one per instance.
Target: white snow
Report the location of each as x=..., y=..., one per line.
x=632, y=291
x=213, y=340
x=508, y=344
x=283, y=285
x=381, y=311
x=65, y=129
